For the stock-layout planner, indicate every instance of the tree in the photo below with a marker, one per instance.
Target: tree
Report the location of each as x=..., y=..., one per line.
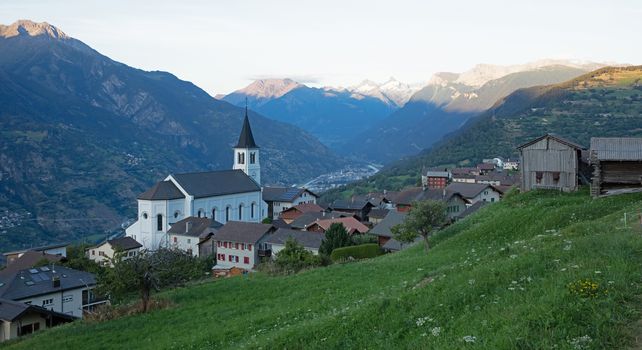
x=295, y=257
x=149, y=271
x=422, y=220
x=336, y=236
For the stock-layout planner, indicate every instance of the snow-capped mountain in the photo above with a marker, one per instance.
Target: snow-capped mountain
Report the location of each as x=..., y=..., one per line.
x=262, y=91
x=392, y=91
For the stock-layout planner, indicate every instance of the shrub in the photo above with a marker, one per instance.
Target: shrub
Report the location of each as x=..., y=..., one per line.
x=335, y=237
x=294, y=257
x=363, y=239
x=362, y=251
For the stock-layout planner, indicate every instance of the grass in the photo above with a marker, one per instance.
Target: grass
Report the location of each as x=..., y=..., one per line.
x=499, y=279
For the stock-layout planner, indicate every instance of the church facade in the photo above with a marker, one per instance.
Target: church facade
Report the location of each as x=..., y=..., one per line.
x=226, y=195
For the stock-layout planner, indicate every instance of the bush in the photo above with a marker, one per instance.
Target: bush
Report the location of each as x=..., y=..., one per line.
x=363, y=251
x=294, y=257
x=363, y=239
x=335, y=237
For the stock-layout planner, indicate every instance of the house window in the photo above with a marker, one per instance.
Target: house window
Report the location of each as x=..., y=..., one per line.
x=236, y=259
x=539, y=175
x=47, y=302
x=189, y=241
x=93, y=252
x=556, y=177
x=492, y=199
x=230, y=257
x=249, y=247
x=224, y=244
x=236, y=246
x=159, y=222
x=227, y=214
x=101, y=253
x=252, y=157
x=213, y=213
x=240, y=212
x=67, y=298
x=246, y=260
x=175, y=239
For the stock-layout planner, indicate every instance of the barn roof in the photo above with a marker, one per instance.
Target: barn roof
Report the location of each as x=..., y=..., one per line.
x=617, y=148
x=556, y=138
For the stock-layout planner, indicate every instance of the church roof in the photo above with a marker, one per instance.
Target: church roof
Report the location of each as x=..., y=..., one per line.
x=216, y=183
x=162, y=190
x=246, y=139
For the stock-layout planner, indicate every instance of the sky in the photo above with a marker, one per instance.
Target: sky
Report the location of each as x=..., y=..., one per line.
x=223, y=45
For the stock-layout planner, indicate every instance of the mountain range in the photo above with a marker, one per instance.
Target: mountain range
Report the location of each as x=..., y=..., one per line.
x=334, y=115
x=603, y=103
x=82, y=135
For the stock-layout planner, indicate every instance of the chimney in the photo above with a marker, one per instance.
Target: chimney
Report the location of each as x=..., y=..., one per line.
x=188, y=226
x=56, y=281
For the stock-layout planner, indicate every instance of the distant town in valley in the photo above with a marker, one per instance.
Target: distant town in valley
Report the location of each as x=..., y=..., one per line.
x=351, y=189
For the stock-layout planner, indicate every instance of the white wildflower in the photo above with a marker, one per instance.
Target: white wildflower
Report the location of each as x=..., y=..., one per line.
x=581, y=342
x=513, y=256
x=598, y=272
x=424, y=334
x=471, y=281
x=435, y=331
x=470, y=339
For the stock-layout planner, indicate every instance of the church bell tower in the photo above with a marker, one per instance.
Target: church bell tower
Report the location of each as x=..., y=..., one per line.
x=246, y=152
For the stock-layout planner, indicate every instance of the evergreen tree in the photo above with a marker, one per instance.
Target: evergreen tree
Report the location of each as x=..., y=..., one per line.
x=335, y=237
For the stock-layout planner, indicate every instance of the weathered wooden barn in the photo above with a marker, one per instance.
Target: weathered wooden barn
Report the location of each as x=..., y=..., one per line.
x=550, y=162
x=617, y=165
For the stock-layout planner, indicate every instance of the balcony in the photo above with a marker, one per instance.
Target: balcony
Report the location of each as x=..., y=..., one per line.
x=265, y=253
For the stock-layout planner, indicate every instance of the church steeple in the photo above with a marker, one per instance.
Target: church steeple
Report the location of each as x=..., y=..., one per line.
x=246, y=152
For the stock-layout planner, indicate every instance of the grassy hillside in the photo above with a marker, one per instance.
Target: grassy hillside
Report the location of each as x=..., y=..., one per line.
x=499, y=279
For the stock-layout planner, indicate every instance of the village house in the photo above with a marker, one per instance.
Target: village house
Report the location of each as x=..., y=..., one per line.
x=190, y=235
x=455, y=202
x=359, y=208
x=18, y=319
x=53, y=249
x=617, y=165
x=435, y=179
x=352, y=225
x=474, y=193
x=237, y=246
x=279, y=199
x=296, y=211
x=223, y=196
x=275, y=242
x=550, y=162
x=485, y=168
x=511, y=164
x=122, y=248
x=383, y=229
x=56, y=288
x=376, y=215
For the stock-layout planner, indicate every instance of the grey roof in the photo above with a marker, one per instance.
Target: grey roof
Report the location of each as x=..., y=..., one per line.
x=418, y=194
x=197, y=228
x=283, y=194
x=394, y=245
x=431, y=173
x=305, y=238
x=340, y=204
x=242, y=232
x=11, y=310
x=556, y=138
x=33, y=282
x=378, y=213
x=280, y=223
x=383, y=228
x=306, y=219
x=617, y=148
x=124, y=243
x=472, y=209
x=38, y=249
x=162, y=190
x=216, y=183
x=467, y=190
x=246, y=139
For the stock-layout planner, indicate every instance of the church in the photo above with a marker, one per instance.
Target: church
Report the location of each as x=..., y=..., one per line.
x=225, y=195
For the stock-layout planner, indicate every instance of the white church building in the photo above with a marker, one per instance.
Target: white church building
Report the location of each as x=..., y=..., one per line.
x=226, y=195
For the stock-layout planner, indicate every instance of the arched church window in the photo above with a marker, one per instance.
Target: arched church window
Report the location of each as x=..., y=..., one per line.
x=240, y=212
x=252, y=157
x=177, y=214
x=227, y=213
x=145, y=216
x=214, y=213
x=201, y=212
x=159, y=222
x=241, y=158
x=252, y=210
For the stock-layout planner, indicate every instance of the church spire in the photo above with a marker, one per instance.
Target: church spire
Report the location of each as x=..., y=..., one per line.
x=246, y=139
